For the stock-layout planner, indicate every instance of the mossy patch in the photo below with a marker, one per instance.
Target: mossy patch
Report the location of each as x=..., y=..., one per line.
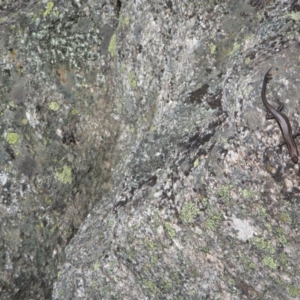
x=64, y=175
x=171, y=231
x=294, y=291
x=189, y=212
x=248, y=194
x=213, y=221
x=270, y=262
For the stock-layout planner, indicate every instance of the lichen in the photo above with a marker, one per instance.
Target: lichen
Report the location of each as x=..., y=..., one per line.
x=270, y=262
x=236, y=48
x=294, y=16
x=112, y=48
x=24, y=121
x=49, y=9
x=189, y=212
x=262, y=244
x=294, y=291
x=74, y=112
x=132, y=79
x=12, y=138
x=248, y=194
x=196, y=163
x=64, y=175
x=213, y=48
x=54, y=106
x=170, y=230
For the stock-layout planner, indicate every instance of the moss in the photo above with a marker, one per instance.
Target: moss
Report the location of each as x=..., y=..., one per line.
x=170, y=230
x=189, y=212
x=283, y=259
x=54, y=106
x=270, y=262
x=211, y=224
x=248, y=194
x=231, y=282
x=64, y=175
x=262, y=244
x=205, y=249
x=24, y=121
x=294, y=291
x=263, y=212
x=248, y=263
x=167, y=284
x=112, y=48
x=150, y=285
x=224, y=192
x=285, y=218
x=150, y=245
x=268, y=226
x=12, y=138
x=281, y=236
x=154, y=260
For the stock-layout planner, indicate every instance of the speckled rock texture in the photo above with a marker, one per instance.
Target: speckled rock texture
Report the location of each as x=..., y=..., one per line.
x=135, y=158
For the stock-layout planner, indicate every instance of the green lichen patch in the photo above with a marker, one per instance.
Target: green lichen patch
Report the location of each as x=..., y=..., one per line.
x=196, y=163
x=264, y=245
x=112, y=48
x=132, y=79
x=294, y=291
x=74, y=112
x=236, y=48
x=248, y=194
x=270, y=262
x=189, y=212
x=24, y=121
x=213, y=221
x=49, y=10
x=64, y=175
x=54, y=106
x=12, y=138
x=294, y=16
x=213, y=48
x=171, y=231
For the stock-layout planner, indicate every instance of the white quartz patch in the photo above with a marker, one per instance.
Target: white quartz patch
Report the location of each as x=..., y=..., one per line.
x=245, y=230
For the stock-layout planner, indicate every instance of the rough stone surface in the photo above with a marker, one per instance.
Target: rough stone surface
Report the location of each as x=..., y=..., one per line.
x=135, y=158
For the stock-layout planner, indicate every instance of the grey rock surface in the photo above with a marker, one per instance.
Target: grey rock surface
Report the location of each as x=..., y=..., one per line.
x=136, y=161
